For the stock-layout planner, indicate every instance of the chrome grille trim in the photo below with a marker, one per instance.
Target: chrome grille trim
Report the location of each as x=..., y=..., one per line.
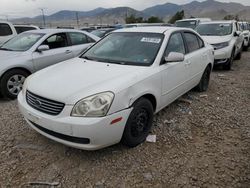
x=44, y=105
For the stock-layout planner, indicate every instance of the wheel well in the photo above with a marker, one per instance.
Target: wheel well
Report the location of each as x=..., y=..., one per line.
x=151, y=98
x=210, y=66
x=17, y=68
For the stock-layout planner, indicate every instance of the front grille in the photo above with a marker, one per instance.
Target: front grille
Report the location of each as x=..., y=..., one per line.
x=44, y=105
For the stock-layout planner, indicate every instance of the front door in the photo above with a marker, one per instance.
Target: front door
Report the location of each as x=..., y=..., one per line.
x=59, y=51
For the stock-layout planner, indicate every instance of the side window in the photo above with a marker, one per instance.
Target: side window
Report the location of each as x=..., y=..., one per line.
x=5, y=29
x=90, y=40
x=56, y=41
x=78, y=38
x=201, y=43
x=175, y=44
x=192, y=42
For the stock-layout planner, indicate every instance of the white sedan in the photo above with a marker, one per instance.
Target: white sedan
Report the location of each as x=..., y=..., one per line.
x=111, y=92
x=34, y=50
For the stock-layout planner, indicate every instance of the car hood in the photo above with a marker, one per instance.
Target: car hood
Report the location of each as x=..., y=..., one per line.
x=77, y=78
x=6, y=55
x=217, y=39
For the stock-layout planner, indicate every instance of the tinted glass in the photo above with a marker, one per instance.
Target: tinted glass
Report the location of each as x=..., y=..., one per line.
x=5, y=29
x=56, y=41
x=78, y=38
x=214, y=29
x=192, y=42
x=22, y=42
x=20, y=29
x=189, y=24
x=175, y=44
x=126, y=48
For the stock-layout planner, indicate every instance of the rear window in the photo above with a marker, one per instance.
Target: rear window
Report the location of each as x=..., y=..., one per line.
x=5, y=29
x=21, y=29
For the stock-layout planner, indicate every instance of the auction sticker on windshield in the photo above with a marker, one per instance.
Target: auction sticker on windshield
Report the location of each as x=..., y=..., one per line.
x=151, y=40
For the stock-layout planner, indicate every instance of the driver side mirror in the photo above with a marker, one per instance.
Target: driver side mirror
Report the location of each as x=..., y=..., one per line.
x=174, y=57
x=43, y=48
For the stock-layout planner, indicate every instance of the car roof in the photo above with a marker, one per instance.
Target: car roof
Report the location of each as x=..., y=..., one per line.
x=52, y=31
x=219, y=22
x=193, y=19
x=153, y=29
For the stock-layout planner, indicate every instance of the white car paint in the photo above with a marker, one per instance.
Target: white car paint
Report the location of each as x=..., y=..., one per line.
x=235, y=42
x=246, y=33
x=4, y=38
x=32, y=60
x=78, y=78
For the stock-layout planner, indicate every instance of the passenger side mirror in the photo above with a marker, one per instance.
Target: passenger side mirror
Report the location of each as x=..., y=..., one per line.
x=174, y=57
x=237, y=33
x=43, y=48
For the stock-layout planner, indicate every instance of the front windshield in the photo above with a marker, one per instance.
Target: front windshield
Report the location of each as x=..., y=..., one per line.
x=189, y=24
x=126, y=48
x=22, y=42
x=214, y=29
x=99, y=33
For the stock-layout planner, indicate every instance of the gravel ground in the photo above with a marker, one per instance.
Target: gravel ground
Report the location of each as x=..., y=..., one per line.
x=202, y=144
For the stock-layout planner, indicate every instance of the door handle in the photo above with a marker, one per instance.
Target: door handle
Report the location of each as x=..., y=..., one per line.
x=68, y=51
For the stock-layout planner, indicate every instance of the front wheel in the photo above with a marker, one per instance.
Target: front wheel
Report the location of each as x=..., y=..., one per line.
x=204, y=82
x=12, y=83
x=139, y=123
x=229, y=63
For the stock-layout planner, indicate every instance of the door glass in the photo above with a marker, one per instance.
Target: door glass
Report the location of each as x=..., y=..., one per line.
x=78, y=38
x=192, y=42
x=175, y=44
x=56, y=41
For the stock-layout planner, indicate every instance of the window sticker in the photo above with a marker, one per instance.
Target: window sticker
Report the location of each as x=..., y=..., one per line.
x=151, y=40
x=224, y=25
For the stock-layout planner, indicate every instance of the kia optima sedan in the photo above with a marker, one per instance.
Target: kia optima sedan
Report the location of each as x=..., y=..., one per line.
x=34, y=50
x=111, y=92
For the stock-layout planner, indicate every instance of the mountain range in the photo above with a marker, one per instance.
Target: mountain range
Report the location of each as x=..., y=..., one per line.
x=208, y=8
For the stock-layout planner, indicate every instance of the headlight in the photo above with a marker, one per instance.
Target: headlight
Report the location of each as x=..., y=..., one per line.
x=93, y=106
x=220, y=45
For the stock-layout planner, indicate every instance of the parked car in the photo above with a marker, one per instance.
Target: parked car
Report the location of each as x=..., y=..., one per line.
x=102, y=32
x=145, y=25
x=7, y=31
x=245, y=29
x=226, y=38
x=31, y=51
x=191, y=23
x=111, y=92
x=23, y=28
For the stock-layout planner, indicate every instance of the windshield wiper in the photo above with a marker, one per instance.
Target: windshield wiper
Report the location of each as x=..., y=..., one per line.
x=6, y=49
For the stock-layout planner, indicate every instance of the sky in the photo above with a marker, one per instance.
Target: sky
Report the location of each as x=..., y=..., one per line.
x=30, y=8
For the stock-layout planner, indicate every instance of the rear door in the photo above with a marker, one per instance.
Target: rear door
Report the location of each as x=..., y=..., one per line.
x=196, y=58
x=59, y=51
x=79, y=42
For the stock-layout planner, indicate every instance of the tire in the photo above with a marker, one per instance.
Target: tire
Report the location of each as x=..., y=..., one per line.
x=139, y=123
x=204, y=82
x=245, y=48
x=229, y=64
x=11, y=83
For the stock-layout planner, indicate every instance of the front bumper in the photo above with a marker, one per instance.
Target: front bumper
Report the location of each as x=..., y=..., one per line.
x=78, y=132
x=223, y=53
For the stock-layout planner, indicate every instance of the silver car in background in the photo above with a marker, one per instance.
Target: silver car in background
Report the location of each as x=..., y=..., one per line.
x=34, y=50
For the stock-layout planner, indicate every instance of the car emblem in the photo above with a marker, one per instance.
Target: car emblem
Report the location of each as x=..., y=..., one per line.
x=38, y=103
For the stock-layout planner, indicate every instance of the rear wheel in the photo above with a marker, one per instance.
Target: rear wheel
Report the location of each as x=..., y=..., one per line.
x=139, y=123
x=204, y=82
x=12, y=83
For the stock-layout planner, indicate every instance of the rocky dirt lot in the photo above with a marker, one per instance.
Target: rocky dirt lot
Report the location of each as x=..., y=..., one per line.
x=202, y=144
